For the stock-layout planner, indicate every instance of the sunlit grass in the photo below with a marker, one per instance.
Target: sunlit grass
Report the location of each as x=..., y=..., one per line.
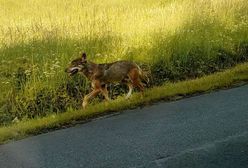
x=39, y=38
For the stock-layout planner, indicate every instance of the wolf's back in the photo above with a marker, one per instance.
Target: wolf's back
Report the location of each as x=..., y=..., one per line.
x=117, y=71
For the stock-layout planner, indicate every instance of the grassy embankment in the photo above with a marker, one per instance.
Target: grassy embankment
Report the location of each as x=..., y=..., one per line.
x=178, y=39
x=169, y=91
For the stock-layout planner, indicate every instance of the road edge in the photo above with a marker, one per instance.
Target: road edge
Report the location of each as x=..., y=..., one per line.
x=229, y=78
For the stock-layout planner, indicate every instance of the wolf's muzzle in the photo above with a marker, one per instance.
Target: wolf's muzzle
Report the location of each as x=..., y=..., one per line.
x=71, y=71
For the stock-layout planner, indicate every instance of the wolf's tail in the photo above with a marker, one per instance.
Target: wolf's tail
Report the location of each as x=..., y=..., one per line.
x=144, y=74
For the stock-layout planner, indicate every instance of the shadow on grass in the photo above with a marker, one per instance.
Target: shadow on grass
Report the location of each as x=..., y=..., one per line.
x=35, y=70
x=39, y=85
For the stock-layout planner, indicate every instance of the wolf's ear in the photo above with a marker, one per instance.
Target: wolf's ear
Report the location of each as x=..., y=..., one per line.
x=84, y=57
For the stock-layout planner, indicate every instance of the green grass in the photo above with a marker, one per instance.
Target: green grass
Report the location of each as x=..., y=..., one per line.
x=178, y=39
x=169, y=91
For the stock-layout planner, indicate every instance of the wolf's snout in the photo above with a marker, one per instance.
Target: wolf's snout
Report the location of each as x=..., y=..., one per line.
x=71, y=71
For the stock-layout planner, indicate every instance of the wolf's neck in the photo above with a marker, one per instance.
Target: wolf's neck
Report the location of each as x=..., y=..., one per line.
x=90, y=70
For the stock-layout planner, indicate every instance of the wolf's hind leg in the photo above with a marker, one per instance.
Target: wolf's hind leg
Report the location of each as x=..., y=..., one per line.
x=139, y=85
x=130, y=86
x=136, y=82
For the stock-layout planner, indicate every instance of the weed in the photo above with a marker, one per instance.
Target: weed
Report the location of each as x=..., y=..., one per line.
x=178, y=40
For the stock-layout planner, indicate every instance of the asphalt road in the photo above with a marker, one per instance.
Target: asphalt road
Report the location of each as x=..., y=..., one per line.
x=207, y=131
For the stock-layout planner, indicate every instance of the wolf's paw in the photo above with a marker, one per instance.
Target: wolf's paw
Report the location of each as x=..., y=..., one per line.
x=84, y=104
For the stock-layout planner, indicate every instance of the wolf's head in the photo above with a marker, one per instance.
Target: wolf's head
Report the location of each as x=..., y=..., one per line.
x=77, y=65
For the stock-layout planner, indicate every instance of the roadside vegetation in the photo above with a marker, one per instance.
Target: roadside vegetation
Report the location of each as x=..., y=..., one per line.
x=169, y=91
x=177, y=39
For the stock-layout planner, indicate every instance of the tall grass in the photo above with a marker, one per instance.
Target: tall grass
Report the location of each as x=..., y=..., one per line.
x=179, y=39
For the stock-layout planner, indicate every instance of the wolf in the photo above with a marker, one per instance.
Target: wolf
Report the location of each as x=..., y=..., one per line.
x=101, y=75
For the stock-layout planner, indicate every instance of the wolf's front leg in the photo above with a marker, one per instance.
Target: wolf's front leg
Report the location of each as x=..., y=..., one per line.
x=89, y=96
